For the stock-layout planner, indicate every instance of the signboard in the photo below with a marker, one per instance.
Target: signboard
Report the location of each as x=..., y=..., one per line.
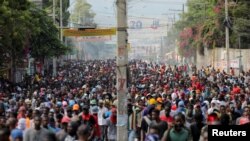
x=89, y=32
x=145, y=28
x=92, y=39
x=223, y=64
x=235, y=63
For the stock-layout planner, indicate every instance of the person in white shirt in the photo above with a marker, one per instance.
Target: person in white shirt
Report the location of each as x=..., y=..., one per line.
x=213, y=106
x=101, y=121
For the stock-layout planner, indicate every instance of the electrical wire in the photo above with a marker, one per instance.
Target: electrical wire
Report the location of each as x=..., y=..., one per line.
x=133, y=16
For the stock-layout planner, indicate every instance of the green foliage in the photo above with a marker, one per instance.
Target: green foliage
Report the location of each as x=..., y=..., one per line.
x=241, y=23
x=206, y=19
x=16, y=26
x=25, y=28
x=45, y=42
x=48, y=7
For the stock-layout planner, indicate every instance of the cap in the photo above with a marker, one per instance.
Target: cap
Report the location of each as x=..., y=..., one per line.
x=153, y=95
x=206, y=103
x=159, y=100
x=214, y=101
x=71, y=103
x=173, y=107
x=51, y=110
x=64, y=103
x=243, y=120
x=93, y=90
x=65, y=119
x=27, y=101
x=180, y=103
x=173, y=96
x=95, y=110
x=152, y=101
x=101, y=101
x=84, y=86
x=93, y=102
x=76, y=107
x=149, y=94
x=59, y=104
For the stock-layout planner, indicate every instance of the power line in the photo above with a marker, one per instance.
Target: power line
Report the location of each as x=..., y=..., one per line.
x=134, y=16
x=173, y=3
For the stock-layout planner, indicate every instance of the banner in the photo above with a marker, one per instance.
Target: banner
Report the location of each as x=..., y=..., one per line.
x=222, y=65
x=92, y=39
x=89, y=32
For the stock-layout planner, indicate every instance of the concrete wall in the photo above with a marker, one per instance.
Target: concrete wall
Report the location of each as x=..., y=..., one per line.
x=217, y=58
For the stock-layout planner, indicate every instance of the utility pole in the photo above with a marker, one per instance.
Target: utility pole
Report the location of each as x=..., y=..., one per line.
x=240, y=57
x=54, y=11
x=121, y=70
x=61, y=21
x=183, y=8
x=54, y=20
x=227, y=36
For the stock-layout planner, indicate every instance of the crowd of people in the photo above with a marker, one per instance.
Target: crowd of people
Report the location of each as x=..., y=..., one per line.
x=165, y=103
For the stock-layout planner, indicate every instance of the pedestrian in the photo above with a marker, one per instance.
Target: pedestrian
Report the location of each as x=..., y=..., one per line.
x=178, y=132
x=36, y=133
x=111, y=123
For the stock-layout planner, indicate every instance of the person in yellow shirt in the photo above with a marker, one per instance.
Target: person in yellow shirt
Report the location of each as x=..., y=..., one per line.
x=28, y=119
x=37, y=78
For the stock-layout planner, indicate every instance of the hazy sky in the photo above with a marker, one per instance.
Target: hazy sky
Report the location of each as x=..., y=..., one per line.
x=106, y=10
x=144, y=11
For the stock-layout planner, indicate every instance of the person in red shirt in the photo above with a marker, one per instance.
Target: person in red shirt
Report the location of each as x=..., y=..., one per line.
x=21, y=112
x=198, y=86
x=236, y=89
x=97, y=131
x=89, y=120
x=166, y=116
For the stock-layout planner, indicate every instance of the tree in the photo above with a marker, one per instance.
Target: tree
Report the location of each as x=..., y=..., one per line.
x=16, y=25
x=241, y=23
x=45, y=41
x=81, y=15
x=48, y=7
x=205, y=19
x=5, y=12
x=203, y=25
x=26, y=29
